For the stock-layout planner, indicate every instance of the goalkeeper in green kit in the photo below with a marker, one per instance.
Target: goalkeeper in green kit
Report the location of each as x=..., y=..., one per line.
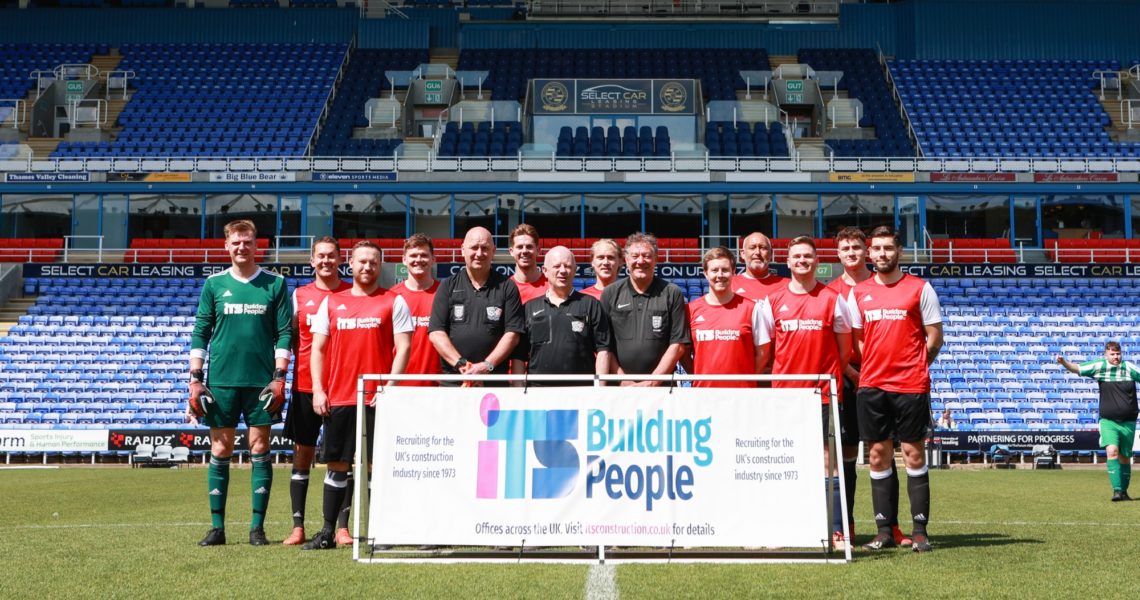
x=243, y=325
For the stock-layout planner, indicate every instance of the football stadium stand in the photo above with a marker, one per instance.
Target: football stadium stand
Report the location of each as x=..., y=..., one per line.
x=980, y=148
x=363, y=80
x=717, y=68
x=997, y=372
x=199, y=100
x=1006, y=108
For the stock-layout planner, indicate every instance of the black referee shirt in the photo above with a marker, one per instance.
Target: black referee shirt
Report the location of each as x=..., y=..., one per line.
x=563, y=339
x=645, y=325
x=476, y=320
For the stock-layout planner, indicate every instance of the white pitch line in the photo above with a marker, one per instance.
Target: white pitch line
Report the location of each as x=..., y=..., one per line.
x=127, y=525
x=601, y=583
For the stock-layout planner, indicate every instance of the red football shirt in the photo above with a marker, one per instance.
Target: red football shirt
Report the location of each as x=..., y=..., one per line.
x=361, y=332
x=894, y=319
x=756, y=289
x=530, y=291
x=802, y=329
x=306, y=300
x=724, y=339
x=592, y=290
x=424, y=359
x=844, y=289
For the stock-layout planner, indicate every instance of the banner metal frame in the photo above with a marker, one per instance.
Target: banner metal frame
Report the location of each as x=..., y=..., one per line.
x=364, y=549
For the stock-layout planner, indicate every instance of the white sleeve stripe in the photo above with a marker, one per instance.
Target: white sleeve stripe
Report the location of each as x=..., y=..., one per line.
x=842, y=322
x=319, y=323
x=402, y=316
x=929, y=305
x=853, y=311
x=763, y=322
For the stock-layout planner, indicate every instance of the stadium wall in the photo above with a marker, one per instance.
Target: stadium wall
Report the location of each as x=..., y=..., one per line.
x=1023, y=29
x=1005, y=29
x=161, y=25
x=386, y=33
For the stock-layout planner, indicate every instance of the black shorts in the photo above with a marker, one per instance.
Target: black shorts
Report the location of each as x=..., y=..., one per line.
x=302, y=425
x=338, y=444
x=886, y=415
x=849, y=415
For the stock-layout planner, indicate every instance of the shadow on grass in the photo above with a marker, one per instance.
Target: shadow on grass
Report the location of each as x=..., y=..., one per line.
x=979, y=540
x=960, y=540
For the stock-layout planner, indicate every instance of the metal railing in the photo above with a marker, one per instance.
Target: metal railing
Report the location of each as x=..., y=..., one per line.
x=1109, y=80
x=331, y=95
x=840, y=110
x=395, y=111
x=69, y=246
x=899, y=102
x=708, y=8
x=1129, y=112
x=117, y=80
x=13, y=112
x=550, y=162
x=87, y=112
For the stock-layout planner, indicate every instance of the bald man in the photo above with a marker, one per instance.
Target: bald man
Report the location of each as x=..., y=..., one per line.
x=476, y=317
x=568, y=333
x=757, y=281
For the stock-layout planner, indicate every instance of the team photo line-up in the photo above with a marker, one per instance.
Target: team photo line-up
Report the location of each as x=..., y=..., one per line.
x=876, y=330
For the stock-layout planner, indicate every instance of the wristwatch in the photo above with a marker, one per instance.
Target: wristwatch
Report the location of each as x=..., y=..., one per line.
x=459, y=364
x=490, y=366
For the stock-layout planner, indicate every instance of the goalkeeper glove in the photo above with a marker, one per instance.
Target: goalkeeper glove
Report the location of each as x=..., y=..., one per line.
x=273, y=396
x=201, y=398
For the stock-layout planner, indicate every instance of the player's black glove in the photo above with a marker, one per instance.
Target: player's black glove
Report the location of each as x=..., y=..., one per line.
x=273, y=396
x=201, y=398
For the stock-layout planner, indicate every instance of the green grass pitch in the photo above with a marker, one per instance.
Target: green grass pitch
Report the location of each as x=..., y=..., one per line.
x=117, y=533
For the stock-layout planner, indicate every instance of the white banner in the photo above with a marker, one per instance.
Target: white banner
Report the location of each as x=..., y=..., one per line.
x=608, y=465
x=53, y=440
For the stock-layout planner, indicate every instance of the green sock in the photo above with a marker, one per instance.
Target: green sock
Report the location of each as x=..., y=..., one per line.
x=1125, y=476
x=261, y=482
x=1114, y=474
x=218, y=484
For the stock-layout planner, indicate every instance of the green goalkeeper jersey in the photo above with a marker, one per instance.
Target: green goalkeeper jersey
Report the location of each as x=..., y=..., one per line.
x=245, y=325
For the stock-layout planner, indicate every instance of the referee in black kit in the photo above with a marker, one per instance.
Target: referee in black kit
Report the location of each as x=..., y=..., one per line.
x=648, y=316
x=476, y=317
x=567, y=332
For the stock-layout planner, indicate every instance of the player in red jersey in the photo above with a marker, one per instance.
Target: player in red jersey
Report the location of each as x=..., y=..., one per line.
x=898, y=326
x=418, y=291
x=365, y=329
x=524, y=245
x=756, y=281
x=725, y=326
x=810, y=330
x=851, y=245
x=604, y=255
x=302, y=425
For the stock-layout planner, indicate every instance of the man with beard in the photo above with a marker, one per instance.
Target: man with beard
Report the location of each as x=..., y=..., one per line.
x=897, y=321
x=302, y=425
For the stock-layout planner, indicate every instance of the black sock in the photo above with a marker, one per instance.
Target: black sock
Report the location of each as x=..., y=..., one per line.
x=918, y=488
x=298, y=492
x=336, y=486
x=345, y=504
x=894, y=505
x=849, y=480
x=881, y=500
